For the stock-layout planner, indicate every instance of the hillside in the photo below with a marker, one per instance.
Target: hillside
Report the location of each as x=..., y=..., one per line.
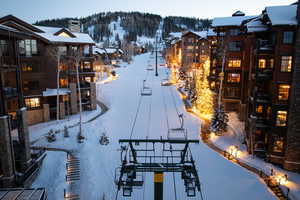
x=111, y=28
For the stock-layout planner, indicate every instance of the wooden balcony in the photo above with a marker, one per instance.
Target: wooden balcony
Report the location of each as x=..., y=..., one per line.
x=264, y=47
x=264, y=74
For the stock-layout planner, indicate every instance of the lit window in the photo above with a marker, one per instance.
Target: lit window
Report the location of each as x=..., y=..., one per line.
x=26, y=68
x=234, y=63
x=286, y=63
x=88, y=79
x=233, y=78
x=259, y=109
x=278, y=144
x=262, y=63
x=271, y=63
x=281, y=118
x=63, y=82
x=33, y=103
x=283, y=92
x=63, y=34
x=288, y=37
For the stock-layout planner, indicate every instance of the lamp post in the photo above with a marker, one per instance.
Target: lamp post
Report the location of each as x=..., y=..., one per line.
x=156, y=73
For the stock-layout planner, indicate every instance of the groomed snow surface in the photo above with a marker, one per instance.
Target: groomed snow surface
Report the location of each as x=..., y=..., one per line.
x=220, y=178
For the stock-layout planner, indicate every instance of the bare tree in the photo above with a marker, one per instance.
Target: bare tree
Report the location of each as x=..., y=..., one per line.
x=54, y=52
x=76, y=56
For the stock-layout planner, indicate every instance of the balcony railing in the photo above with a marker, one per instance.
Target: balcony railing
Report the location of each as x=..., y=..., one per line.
x=262, y=97
x=7, y=61
x=264, y=74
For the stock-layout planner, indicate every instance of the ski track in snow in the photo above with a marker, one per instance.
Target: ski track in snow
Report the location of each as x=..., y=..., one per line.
x=220, y=179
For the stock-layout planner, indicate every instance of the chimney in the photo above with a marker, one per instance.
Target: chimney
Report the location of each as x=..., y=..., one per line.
x=74, y=25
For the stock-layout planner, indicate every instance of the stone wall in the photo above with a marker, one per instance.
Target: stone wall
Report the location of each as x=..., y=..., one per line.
x=6, y=155
x=35, y=116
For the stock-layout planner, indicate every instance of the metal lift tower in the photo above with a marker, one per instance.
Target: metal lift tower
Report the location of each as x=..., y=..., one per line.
x=157, y=156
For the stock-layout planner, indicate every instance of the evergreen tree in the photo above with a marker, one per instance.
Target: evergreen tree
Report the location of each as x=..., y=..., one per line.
x=219, y=122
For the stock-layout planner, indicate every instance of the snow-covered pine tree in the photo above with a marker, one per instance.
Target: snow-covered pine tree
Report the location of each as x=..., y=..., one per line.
x=219, y=122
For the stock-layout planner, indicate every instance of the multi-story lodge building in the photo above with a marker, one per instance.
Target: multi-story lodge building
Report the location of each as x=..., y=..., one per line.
x=46, y=52
x=270, y=82
x=18, y=164
x=230, y=59
x=256, y=55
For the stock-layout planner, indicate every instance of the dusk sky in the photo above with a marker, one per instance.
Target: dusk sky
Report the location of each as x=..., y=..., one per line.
x=33, y=10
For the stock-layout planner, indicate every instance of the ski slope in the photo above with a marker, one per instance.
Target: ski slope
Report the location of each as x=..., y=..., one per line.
x=220, y=178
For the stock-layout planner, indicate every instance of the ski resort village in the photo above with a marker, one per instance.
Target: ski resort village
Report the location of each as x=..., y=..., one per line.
x=128, y=105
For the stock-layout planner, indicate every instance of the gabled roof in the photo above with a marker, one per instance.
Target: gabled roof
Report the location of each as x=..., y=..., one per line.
x=11, y=18
x=47, y=34
x=282, y=15
x=64, y=30
x=230, y=21
x=190, y=32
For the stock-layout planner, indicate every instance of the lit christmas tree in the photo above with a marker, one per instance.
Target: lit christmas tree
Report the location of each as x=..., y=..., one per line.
x=203, y=96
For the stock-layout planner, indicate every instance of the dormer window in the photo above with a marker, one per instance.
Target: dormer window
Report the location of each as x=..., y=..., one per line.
x=64, y=34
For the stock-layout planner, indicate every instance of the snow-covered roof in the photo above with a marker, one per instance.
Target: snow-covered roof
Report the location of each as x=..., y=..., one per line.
x=97, y=50
x=53, y=92
x=256, y=25
x=175, y=34
x=80, y=38
x=111, y=50
x=211, y=32
x=282, y=15
x=3, y=27
x=202, y=34
x=230, y=21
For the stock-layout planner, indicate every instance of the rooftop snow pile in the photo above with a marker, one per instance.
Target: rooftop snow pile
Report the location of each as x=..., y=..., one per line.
x=230, y=21
x=255, y=25
x=282, y=15
x=175, y=34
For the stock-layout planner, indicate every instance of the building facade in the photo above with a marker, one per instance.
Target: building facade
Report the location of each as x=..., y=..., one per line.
x=49, y=58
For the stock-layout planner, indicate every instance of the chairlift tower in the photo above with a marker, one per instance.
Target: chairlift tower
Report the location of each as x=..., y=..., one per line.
x=175, y=157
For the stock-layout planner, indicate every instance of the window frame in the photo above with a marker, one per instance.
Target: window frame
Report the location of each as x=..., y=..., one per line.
x=286, y=60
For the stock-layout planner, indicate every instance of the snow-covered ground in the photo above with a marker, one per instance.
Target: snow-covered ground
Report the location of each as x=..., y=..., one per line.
x=235, y=137
x=220, y=178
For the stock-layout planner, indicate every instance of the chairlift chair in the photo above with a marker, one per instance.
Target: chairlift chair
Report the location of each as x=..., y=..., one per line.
x=146, y=91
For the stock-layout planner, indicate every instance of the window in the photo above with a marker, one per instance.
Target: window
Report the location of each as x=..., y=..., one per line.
x=88, y=79
x=283, y=92
x=233, y=78
x=234, y=46
x=259, y=109
x=271, y=63
x=64, y=34
x=234, y=32
x=33, y=103
x=232, y=92
x=262, y=63
x=63, y=82
x=234, y=63
x=87, y=65
x=281, y=118
x=286, y=63
x=3, y=48
x=30, y=85
x=26, y=68
x=30, y=67
x=28, y=47
x=62, y=50
x=288, y=37
x=278, y=144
